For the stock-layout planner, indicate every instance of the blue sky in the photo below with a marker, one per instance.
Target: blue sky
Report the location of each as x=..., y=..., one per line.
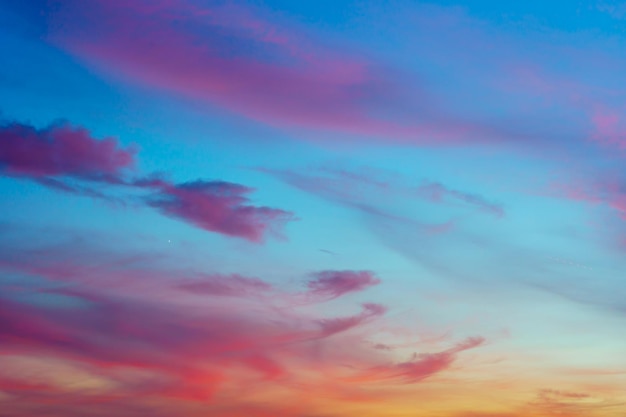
x=312, y=208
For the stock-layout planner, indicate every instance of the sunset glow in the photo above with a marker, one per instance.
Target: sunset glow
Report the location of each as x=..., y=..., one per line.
x=312, y=208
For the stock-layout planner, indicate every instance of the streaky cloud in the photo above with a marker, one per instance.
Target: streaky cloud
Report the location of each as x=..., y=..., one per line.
x=333, y=284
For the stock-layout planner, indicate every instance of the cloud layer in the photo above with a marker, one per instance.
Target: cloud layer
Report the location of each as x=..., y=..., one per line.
x=182, y=347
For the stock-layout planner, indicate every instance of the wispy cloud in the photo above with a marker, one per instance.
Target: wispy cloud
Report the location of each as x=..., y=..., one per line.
x=421, y=366
x=226, y=285
x=290, y=80
x=360, y=187
x=133, y=346
x=333, y=284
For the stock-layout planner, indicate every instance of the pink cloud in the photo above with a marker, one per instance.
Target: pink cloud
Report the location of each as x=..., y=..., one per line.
x=197, y=59
x=381, y=201
x=61, y=150
x=342, y=324
x=231, y=285
x=421, y=366
x=142, y=274
x=439, y=193
x=607, y=190
x=333, y=284
x=575, y=404
x=609, y=127
x=356, y=188
x=151, y=333
x=190, y=351
x=239, y=59
x=69, y=159
x=218, y=206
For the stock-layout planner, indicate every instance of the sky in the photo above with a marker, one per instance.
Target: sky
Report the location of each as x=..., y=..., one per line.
x=312, y=208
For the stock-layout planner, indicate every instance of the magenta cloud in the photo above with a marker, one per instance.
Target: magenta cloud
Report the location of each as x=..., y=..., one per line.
x=218, y=206
x=609, y=127
x=61, y=150
x=342, y=324
x=237, y=58
x=69, y=159
x=197, y=60
x=185, y=349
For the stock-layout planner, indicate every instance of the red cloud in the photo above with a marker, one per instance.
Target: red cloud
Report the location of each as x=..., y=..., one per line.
x=61, y=150
x=218, y=206
x=333, y=284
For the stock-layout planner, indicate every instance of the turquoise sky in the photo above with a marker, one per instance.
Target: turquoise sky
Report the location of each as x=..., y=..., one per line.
x=312, y=208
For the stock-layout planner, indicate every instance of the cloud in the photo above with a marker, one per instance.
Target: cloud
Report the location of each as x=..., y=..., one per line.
x=616, y=9
x=61, y=150
x=264, y=66
x=609, y=127
x=557, y=402
x=382, y=200
x=358, y=187
x=605, y=188
x=191, y=350
x=226, y=285
x=100, y=329
x=208, y=56
x=130, y=330
x=333, y=284
x=104, y=332
x=342, y=324
x=218, y=206
x=421, y=366
x=256, y=64
x=546, y=393
x=439, y=193
x=69, y=159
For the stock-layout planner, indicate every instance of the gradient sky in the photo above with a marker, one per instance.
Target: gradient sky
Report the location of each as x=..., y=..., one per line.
x=312, y=208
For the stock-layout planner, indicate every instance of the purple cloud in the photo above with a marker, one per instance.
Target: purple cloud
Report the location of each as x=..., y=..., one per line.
x=239, y=59
x=356, y=188
x=439, y=193
x=226, y=285
x=333, y=284
x=218, y=206
x=341, y=324
x=61, y=155
x=421, y=366
x=61, y=150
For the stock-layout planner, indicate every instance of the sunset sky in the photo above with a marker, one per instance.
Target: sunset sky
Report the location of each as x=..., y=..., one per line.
x=312, y=208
